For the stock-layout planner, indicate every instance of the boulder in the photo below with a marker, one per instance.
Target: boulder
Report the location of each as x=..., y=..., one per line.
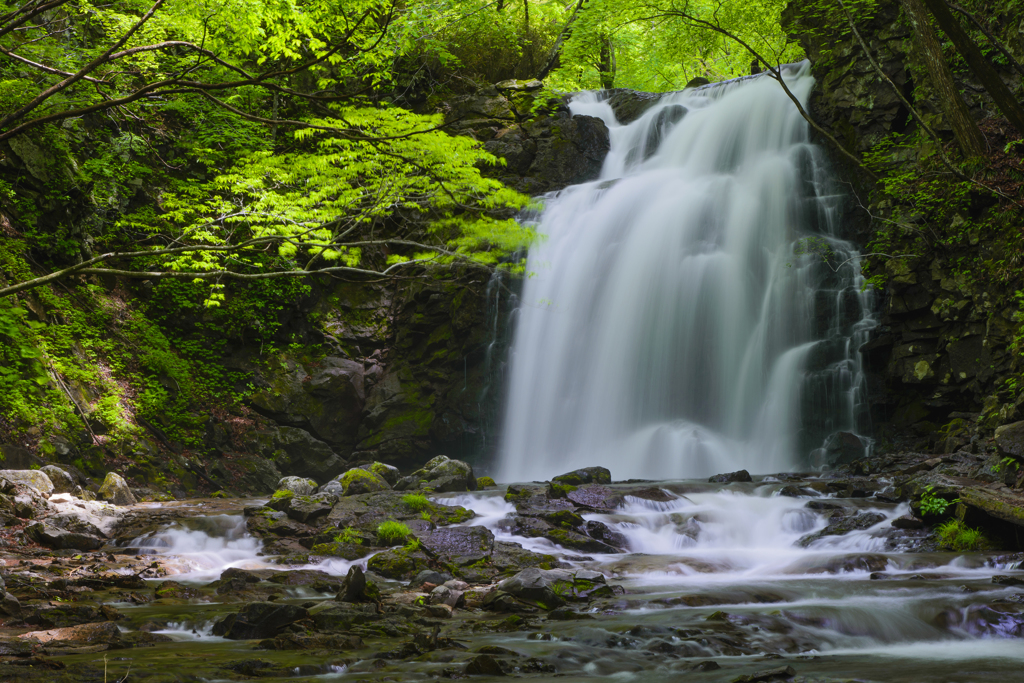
x=342, y=616
x=549, y=588
x=1010, y=440
x=459, y=545
x=308, y=509
x=59, y=539
x=61, y=480
x=741, y=476
x=843, y=448
x=258, y=620
x=386, y=472
x=300, y=486
x=585, y=475
x=114, y=489
x=358, y=480
x=33, y=479
x=429, y=576
x=441, y=475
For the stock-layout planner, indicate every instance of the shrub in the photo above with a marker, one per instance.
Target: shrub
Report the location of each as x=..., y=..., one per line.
x=389, y=531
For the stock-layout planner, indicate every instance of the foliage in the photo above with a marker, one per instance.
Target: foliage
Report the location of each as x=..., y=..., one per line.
x=348, y=535
x=416, y=502
x=957, y=536
x=933, y=504
x=661, y=45
x=391, y=531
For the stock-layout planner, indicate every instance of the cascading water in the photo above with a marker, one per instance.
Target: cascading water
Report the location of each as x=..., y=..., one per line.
x=692, y=311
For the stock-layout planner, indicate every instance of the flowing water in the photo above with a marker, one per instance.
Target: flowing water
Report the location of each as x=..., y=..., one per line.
x=693, y=310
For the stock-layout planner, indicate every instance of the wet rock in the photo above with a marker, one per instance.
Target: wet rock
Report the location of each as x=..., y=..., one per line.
x=356, y=588
x=483, y=665
x=312, y=641
x=549, y=589
x=740, y=476
x=604, y=533
x=59, y=539
x=459, y=545
x=781, y=673
x=484, y=482
x=61, y=480
x=595, y=497
x=33, y=479
x=308, y=509
x=1005, y=580
x=907, y=522
x=441, y=475
x=114, y=489
x=445, y=595
x=1009, y=440
x=841, y=523
x=342, y=616
x=300, y=486
x=585, y=475
x=1002, y=503
x=258, y=620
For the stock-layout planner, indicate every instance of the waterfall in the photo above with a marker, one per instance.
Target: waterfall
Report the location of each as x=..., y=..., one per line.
x=693, y=310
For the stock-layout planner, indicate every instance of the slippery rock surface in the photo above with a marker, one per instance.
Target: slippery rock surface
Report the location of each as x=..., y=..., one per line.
x=440, y=475
x=114, y=489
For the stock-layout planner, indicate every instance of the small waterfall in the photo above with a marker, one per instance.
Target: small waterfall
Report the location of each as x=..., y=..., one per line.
x=693, y=310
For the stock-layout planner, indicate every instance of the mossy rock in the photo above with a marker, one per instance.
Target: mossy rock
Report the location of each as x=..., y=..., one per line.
x=347, y=551
x=399, y=563
x=358, y=481
x=484, y=482
x=584, y=475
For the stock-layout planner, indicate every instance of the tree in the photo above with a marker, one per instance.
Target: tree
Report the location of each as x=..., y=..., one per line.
x=968, y=136
x=319, y=159
x=979, y=64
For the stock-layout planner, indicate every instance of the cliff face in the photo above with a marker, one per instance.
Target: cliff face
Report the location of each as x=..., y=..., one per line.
x=945, y=357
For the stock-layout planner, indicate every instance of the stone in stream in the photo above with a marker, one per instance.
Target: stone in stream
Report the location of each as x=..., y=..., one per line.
x=483, y=665
x=358, y=480
x=388, y=473
x=114, y=489
x=549, y=588
x=308, y=509
x=779, y=674
x=63, y=616
x=739, y=476
x=258, y=620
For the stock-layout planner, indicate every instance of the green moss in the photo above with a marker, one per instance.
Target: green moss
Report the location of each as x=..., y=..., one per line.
x=283, y=494
x=559, y=490
x=484, y=482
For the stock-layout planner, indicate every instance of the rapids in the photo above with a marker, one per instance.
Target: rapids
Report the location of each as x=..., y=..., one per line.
x=693, y=310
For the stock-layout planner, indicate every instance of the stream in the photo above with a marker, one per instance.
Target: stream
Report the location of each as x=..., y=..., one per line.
x=716, y=574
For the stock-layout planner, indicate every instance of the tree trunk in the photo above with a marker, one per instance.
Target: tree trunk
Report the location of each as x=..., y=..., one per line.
x=968, y=135
x=607, y=63
x=982, y=68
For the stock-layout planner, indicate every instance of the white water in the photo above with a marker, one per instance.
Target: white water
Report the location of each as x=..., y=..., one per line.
x=677, y=321
x=201, y=551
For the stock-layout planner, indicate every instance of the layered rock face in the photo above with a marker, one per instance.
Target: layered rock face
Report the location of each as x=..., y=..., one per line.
x=941, y=356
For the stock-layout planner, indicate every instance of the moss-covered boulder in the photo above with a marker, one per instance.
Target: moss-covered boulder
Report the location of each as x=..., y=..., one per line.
x=358, y=481
x=386, y=472
x=114, y=489
x=484, y=482
x=584, y=475
x=441, y=475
